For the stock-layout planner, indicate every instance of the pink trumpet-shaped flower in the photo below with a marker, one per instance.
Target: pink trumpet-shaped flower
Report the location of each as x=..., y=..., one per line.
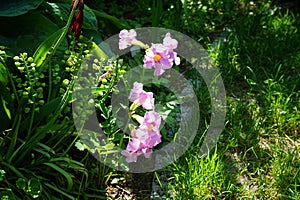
x=162, y=56
x=144, y=138
x=139, y=96
x=126, y=38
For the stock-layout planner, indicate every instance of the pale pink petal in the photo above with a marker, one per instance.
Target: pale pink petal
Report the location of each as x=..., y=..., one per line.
x=136, y=91
x=130, y=156
x=142, y=133
x=147, y=152
x=147, y=100
x=133, y=145
x=126, y=38
x=169, y=42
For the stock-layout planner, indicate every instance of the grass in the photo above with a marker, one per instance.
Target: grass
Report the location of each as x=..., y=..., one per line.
x=257, y=156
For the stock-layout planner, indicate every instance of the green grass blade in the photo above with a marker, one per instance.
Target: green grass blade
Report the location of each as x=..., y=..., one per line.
x=62, y=172
x=59, y=191
x=14, y=137
x=13, y=169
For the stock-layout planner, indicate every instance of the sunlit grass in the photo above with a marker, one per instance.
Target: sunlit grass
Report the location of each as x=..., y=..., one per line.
x=258, y=152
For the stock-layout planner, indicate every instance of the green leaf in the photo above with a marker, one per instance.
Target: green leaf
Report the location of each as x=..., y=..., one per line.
x=42, y=51
x=34, y=187
x=97, y=51
x=10, y=8
x=111, y=18
x=3, y=74
x=7, y=195
x=31, y=187
x=27, y=32
x=89, y=21
x=67, y=175
x=21, y=183
x=7, y=111
x=109, y=146
x=6, y=107
x=61, y=10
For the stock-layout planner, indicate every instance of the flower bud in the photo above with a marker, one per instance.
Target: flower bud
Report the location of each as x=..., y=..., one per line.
x=30, y=59
x=16, y=58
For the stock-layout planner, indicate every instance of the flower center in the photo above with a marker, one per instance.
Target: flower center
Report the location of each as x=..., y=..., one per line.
x=157, y=57
x=150, y=127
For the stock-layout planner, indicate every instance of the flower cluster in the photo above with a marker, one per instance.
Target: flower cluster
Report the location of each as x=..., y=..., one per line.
x=160, y=56
x=147, y=135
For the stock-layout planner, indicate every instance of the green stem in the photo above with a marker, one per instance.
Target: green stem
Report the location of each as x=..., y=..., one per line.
x=50, y=84
x=125, y=129
x=70, y=146
x=31, y=119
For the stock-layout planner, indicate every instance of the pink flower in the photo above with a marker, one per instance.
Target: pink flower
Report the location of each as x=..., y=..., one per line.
x=157, y=56
x=136, y=91
x=151, y=123
x=152, y=120
x=169, y=42
x=130, y=156
x=144, y=138
x=162, y=56
x=126, y=38
x=148, y=135
x=140, y=97
x=133, y=145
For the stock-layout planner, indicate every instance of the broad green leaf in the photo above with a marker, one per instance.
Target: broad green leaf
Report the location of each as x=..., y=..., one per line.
x=27, y=32
x=61, y=10
x=89, y=21
x=98, y=52
x=94, y=34
x=10, y=8
x=42, y=51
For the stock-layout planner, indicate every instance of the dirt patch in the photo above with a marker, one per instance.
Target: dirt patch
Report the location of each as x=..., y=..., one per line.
x=136, y=187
